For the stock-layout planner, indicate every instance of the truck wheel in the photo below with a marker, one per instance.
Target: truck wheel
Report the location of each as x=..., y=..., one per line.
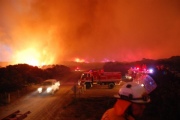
x=88, y=85
x=111, y=85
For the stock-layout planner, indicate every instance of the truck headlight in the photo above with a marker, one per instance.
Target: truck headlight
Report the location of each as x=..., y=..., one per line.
x=39, y=90
x=49, y=89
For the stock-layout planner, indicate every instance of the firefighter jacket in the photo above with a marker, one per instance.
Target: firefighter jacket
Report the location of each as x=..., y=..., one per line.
x=118, y=112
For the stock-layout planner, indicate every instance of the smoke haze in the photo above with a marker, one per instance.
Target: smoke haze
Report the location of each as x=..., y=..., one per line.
x=93, y=30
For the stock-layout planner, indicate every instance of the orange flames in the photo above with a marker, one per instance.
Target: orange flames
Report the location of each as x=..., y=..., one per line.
x=33, y=51
x=79, y=60
x=31, y=56
x=39, y=33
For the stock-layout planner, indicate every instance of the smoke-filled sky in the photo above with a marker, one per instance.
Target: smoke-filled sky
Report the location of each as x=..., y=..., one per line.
x=50, y=31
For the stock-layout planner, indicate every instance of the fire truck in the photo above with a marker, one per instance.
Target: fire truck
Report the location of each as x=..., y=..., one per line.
x=137, y=72
x=100, y=77
x=141, y=75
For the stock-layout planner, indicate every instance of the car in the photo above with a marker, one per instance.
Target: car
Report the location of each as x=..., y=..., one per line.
x=49, y=86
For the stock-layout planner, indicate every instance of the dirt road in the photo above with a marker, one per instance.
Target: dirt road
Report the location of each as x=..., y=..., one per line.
x=50, y=107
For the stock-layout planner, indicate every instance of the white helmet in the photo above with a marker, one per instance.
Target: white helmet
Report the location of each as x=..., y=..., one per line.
x=134, y=92
x=146, y=81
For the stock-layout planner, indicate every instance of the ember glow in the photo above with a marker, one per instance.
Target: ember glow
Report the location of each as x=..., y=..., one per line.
x=79, y=60
x=41, y=32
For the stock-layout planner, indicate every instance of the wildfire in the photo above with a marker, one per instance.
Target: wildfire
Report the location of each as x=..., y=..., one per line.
x=79, y=60
x=32, y=57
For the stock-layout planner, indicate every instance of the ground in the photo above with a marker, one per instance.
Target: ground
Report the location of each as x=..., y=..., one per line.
x=86, y=109
x=92, y=103
x=89, y=104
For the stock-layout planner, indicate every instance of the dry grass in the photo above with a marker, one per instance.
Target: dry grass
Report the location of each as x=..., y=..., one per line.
x=86, y=108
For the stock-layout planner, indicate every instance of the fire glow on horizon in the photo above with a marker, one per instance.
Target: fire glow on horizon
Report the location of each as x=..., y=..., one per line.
x=34, y=52
x=44, y=32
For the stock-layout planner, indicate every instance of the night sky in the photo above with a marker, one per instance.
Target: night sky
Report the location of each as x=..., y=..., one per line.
x=51, y=31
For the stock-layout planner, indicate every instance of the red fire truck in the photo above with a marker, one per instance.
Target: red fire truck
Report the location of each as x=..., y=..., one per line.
x=100, y=77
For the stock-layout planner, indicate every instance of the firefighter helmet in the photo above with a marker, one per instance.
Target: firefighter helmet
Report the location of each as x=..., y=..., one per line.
x=146, y=81
x=134, y=92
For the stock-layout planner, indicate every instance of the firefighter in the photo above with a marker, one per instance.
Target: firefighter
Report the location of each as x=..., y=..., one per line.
x=131, y=102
